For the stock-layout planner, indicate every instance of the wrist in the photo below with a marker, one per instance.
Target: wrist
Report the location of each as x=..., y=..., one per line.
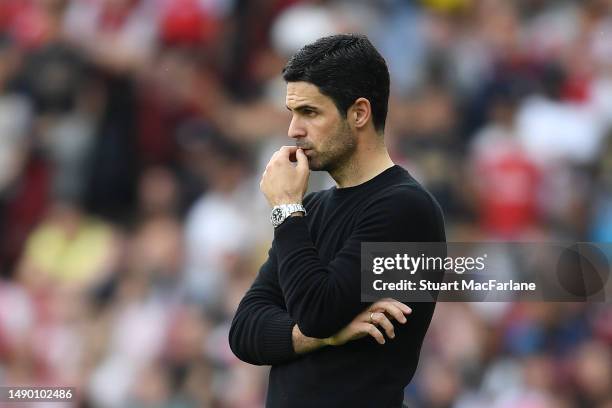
x=283, y=211
x=303, y=344
x=285, y=200
x=329, y=341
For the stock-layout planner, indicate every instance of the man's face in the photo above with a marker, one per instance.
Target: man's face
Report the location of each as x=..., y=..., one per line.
x=318, y=128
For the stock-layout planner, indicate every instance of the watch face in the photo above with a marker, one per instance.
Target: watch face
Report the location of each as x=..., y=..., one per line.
x=277, y=216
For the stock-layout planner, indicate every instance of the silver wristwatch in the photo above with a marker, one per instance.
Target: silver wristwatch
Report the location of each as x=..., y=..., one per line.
x=281, y=212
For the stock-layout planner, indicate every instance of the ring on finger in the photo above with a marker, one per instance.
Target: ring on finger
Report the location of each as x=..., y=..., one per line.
x=372, y=317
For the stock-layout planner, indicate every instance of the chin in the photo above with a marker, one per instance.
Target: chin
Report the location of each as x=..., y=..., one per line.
x=320, y=163
x=321, y=167
x=313, y=164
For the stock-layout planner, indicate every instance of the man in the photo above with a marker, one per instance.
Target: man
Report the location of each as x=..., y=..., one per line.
x=303, y=313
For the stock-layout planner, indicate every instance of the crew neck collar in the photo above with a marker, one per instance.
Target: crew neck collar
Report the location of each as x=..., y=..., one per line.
x=380, y=176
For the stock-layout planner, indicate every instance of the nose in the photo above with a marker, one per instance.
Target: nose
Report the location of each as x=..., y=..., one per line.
x=296, y=128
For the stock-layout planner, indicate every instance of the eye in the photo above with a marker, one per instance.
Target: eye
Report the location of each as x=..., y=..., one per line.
x=310, y=112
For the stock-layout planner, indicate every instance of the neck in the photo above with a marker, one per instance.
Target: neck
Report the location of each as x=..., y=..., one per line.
x=367, y=162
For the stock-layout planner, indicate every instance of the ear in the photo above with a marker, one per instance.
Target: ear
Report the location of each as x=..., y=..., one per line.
x=360, y=113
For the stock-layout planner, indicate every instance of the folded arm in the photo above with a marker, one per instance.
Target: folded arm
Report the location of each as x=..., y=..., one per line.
x=325, y=298
x=263, y=333
x=261, y=330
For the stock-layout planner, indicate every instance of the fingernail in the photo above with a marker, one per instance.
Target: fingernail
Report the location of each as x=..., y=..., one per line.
x=392, y=336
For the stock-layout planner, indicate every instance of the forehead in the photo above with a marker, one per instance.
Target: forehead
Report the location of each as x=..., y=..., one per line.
x=304, y=93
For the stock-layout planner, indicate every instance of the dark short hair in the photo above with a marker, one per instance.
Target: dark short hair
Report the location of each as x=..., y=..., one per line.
x=344, y=67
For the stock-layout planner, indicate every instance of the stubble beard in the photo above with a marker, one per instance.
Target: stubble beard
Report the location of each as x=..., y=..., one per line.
x=337, y=153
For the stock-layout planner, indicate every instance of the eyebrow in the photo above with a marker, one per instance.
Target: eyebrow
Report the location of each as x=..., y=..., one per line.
x=301, y=108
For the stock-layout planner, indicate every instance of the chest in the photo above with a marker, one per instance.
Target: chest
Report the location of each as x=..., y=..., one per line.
x=332, y=223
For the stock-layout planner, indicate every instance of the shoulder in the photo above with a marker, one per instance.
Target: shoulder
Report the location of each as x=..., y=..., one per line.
x=407, y=196
x=409, y=211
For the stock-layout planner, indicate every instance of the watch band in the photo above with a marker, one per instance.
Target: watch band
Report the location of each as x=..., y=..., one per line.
x=283, y=211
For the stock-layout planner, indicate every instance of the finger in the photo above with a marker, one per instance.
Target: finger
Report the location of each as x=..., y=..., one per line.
x=276, y=158
x=390, y=308
x=302, y=160
x=373, y=331
x=271, y=162
x=286, y=151
x=381, y=320
x=406, y=309
x=395, y=312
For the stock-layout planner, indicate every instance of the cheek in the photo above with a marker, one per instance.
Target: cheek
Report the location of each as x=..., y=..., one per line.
x=322, y=132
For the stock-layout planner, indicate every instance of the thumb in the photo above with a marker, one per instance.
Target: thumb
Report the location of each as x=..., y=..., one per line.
x=302, y=160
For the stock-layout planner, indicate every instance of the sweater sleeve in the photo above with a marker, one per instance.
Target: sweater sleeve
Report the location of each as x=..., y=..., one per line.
x=261, y=330
x=325, y=298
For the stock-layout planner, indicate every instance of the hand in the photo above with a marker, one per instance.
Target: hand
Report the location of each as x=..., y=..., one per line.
x=379, y=313
x=282, y=182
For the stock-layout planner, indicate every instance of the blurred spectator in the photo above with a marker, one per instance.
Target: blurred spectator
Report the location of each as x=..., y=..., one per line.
x=554, y=130
x=593, y=374
x=117, y=34
x=218, y=227
x=70, y=249
x=158, y=193
x=506, y=180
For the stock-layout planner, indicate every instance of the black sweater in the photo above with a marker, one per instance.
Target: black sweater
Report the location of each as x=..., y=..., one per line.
x=312, y=279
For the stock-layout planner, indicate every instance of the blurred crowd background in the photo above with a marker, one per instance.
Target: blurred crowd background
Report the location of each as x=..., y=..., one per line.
x=133, y=134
